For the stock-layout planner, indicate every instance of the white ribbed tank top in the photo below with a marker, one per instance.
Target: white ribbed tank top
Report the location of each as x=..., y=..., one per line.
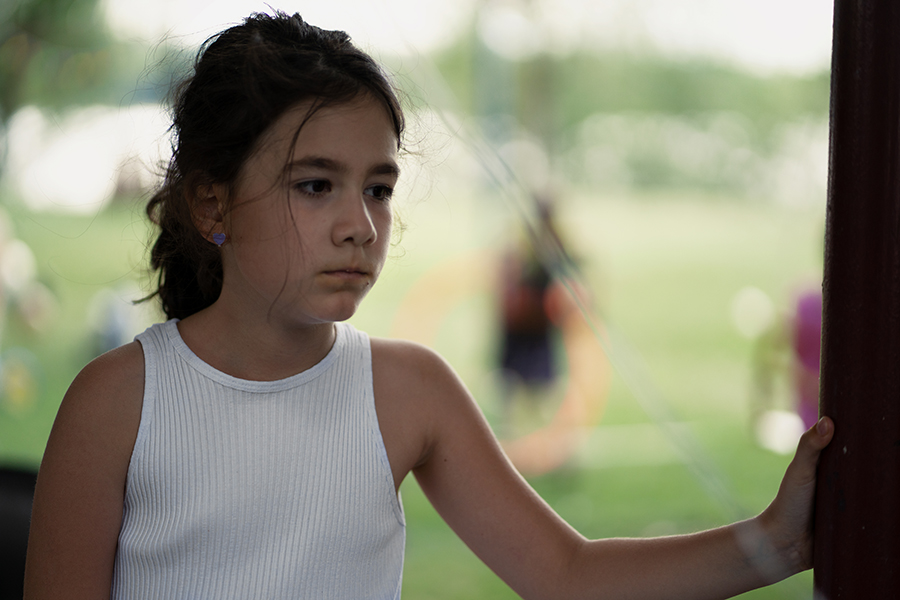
x=249, y=489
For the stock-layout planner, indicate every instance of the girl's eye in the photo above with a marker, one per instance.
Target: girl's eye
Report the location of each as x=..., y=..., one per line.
x=315, y=187
x=380, y=192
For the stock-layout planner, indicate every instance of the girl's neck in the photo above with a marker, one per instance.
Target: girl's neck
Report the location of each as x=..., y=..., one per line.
x=257, y=351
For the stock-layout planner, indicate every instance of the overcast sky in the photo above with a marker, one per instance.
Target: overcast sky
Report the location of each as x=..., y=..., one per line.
x=766, y=35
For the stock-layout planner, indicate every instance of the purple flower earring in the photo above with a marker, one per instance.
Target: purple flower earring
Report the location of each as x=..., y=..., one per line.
x=218, y=238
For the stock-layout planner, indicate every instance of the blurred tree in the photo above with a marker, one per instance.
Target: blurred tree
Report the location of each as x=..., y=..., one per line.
x=54, y=53
x=574, y=86
x=49, y=46
x=643, y=119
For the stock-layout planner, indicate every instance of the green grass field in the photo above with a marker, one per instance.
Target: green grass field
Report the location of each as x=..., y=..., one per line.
x=663, y=270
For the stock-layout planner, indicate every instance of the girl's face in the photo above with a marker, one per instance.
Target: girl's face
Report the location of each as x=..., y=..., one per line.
x=308, y=237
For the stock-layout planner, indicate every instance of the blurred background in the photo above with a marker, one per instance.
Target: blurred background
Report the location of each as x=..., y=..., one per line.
x=613, y=218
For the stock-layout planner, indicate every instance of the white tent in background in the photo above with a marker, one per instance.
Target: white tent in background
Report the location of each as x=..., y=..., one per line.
x=77, y=161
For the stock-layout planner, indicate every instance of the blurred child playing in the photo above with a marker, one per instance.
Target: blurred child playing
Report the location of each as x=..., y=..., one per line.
x=252, y=446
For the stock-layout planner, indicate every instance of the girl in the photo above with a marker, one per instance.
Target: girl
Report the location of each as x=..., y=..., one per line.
x=252, y=446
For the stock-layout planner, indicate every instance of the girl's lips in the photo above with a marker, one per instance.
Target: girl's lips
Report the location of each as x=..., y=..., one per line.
x=347, y=274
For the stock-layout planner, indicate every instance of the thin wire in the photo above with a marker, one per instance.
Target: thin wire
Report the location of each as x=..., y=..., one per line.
x=624, y=359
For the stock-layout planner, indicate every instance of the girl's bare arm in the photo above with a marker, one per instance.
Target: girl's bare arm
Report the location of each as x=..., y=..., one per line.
x=80, y=489
x=468, y=479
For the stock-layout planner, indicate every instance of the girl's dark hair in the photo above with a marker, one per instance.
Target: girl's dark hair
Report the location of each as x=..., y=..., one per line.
x=244, y=79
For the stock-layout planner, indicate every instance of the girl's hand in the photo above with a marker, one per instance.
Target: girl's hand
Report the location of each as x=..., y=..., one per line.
x=787, y=524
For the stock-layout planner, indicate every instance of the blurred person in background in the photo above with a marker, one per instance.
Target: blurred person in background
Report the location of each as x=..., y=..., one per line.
x=528, y=344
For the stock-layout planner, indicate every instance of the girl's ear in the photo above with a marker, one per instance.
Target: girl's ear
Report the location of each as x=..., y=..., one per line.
x=208, y=209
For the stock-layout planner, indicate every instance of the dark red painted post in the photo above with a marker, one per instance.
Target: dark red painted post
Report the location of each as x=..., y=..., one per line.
x=857, y=548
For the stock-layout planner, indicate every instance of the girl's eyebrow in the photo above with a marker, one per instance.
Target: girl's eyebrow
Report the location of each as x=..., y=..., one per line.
x=329, y=164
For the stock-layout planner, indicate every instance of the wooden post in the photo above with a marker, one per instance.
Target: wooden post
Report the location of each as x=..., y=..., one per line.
x=857, y=525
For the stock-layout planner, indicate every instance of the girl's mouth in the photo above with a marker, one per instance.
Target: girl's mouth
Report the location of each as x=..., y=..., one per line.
x=348, y=274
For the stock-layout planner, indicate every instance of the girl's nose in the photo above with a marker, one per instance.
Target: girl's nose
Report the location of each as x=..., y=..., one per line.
x=354, y=223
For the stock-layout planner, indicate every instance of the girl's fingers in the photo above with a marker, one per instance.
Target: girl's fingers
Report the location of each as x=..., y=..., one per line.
x=813, y=441
x=824, y=430
x=803, y=467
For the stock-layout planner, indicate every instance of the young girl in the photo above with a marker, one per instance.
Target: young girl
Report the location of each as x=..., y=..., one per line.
x=252, y=446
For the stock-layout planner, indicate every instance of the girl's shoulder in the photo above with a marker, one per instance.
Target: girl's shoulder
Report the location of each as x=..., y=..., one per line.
x=417, y=384
x=416, y=394
x=121, y=370
x=109, y=389
x=398, y=349
x=406, y=363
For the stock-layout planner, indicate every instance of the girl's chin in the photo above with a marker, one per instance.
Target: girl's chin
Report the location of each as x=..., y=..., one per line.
x=334, y=315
